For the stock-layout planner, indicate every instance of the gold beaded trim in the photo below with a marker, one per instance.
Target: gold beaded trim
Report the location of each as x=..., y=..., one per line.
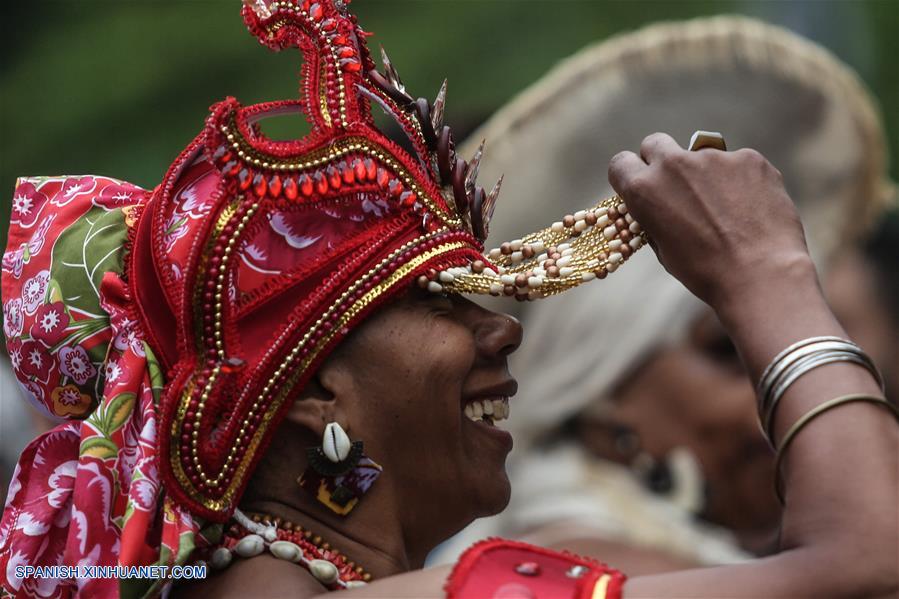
x=325, y=156
x=341, y=91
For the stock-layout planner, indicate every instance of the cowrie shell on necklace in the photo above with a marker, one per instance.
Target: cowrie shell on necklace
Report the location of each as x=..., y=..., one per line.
x=324, y=571
x=250, y=546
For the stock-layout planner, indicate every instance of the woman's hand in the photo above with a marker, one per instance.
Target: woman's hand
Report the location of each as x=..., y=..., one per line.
x=721, y=222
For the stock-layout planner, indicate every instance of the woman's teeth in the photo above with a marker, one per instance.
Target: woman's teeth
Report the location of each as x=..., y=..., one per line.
x=488, y=410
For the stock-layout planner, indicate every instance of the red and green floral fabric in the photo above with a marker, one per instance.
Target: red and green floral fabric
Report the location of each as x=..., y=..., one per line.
x=87, y=493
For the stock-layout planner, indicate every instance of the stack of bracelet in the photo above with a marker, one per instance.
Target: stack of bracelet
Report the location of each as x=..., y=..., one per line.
x=799, y=359
x=794, y=362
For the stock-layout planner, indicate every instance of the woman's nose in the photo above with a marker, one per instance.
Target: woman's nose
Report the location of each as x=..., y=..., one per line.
x=499, y=334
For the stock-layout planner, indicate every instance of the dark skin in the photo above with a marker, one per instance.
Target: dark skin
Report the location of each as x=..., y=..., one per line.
x=399, y=383
x=723, y=224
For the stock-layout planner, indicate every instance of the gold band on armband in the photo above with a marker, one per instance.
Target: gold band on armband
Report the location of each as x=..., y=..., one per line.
x=814, y=413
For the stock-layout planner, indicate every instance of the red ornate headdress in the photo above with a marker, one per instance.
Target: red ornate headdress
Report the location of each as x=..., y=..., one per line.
x=249, y=263
x=296, y=242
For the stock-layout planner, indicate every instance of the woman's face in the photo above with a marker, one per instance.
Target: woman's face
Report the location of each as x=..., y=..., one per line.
x=414, y=366
x=696, y=394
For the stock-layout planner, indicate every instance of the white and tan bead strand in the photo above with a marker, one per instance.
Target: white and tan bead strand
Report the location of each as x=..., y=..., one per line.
x=262, y=537
x=583, y=246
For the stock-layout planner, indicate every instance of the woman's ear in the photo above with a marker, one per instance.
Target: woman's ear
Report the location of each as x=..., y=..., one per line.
x=324, y=399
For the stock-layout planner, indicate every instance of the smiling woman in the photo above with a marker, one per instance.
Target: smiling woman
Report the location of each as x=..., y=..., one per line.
x=284, y=383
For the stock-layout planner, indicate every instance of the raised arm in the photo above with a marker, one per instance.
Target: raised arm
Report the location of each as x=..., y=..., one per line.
x=723, y=224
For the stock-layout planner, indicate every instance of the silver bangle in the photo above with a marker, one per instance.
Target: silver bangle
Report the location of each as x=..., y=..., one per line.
x=805, y=366
x=797, y=360
x=799, y=355
x=776, y=360
x=785, y=360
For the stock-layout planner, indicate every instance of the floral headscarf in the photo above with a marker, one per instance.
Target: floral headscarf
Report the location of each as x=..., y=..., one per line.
x=87, y=492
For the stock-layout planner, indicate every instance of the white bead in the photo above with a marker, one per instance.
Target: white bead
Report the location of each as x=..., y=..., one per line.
x=562, y=247
x=494, y=254
x=563, y=261
x=496, y=288
x=516, y=244
x=543, y=257
x=611, y=267
x=535, y=282
x=489, y=272
x=610, y=232
x=580, y=226
x=324, y=571
x=352, y=584
x=580, y=214
x=615, y=245
x=285, y=550
x=615, y=258
x=557, y=227
x=435, y=287
x=446, y=277
x=538, y=247
x=221, y=557
x=628, y=218
x=249, y=546
x=635, y=228
x=517, y=257
x=568, y=251
x=636, y=243
x=587, y=276
x=507, y=279
x=602, y=221
x=566, y=272
x=622, y=208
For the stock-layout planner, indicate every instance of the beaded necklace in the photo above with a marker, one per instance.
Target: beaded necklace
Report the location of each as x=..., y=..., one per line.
x=249, y=536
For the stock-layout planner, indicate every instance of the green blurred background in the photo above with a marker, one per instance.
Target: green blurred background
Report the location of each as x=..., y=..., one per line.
x=118, y=87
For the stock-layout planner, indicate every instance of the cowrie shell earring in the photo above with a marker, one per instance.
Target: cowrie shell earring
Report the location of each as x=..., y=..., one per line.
x=336, y=443
x=339, y=473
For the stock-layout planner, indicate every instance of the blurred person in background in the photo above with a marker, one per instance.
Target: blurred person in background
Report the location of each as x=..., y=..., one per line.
x=637, y=442
x=863, y=289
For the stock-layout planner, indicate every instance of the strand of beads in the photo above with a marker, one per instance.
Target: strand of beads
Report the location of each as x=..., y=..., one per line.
x=290, y=542
x=581, y=247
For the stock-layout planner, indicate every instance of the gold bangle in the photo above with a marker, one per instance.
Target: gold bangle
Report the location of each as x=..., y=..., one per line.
x=811, y=415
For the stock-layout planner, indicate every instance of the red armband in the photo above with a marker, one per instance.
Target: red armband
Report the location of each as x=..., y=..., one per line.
x=501, y=569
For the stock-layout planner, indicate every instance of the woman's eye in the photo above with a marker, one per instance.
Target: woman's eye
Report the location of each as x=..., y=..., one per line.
x=442, y=303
